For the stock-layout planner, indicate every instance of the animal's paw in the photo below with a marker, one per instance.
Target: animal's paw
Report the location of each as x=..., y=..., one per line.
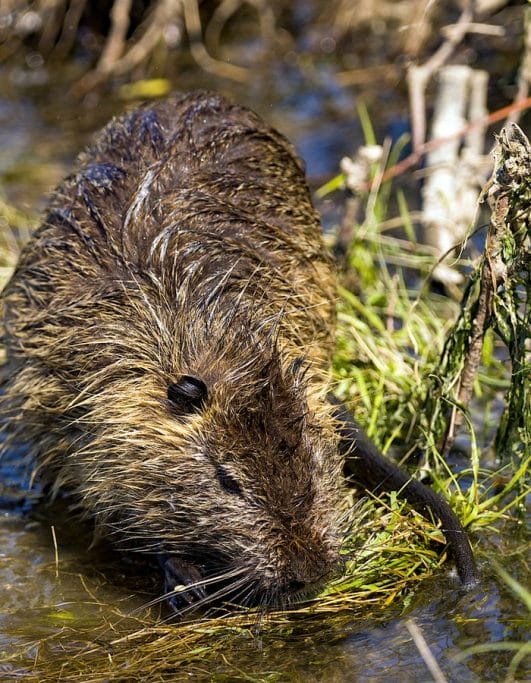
x=183, y=583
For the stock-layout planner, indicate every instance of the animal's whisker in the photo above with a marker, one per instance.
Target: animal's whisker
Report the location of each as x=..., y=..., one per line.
x=215, y=597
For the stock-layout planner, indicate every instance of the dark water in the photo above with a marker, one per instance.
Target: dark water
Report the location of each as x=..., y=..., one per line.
x=51, y=608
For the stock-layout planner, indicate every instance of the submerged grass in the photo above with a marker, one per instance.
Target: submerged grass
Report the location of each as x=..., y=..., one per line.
x=392, y=550
x=392, y=333
x=521, y=650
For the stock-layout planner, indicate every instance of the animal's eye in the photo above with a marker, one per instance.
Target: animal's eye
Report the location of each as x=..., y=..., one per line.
x=227, y=481
x=188, y=393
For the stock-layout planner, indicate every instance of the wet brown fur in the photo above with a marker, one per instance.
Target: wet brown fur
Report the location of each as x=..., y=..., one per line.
x=184, y=243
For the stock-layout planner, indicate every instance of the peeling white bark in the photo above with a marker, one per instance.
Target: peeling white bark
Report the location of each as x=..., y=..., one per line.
x=451, y=191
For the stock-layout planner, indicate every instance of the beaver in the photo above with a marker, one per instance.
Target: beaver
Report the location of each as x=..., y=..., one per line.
x=168, y=332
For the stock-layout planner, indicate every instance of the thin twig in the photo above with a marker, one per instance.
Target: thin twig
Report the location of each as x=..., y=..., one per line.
x=114, y=45
x=199, y=51
x=425, y=652
x=418, y=76
x=55, y=552
x=415, y=157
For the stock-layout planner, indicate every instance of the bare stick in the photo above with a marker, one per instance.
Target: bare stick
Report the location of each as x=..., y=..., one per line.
x=425, y=652
x=199, y=51
x=418, y=76
x=71, y=22
x=114, y=45
x=55, y=551
x=439, y=190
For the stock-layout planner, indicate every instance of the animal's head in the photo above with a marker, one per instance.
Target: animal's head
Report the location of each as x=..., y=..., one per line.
x=262, y=478
x=229, y=471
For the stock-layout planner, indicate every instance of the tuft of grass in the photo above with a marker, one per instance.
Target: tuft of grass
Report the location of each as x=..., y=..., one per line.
x=404, y=355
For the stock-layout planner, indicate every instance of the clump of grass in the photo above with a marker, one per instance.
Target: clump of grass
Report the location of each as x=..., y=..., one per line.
x=496, y=298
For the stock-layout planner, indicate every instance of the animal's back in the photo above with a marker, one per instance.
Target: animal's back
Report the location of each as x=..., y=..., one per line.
x=194, y=191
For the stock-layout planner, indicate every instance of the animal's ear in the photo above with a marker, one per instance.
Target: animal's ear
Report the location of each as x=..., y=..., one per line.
x=188, y=393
